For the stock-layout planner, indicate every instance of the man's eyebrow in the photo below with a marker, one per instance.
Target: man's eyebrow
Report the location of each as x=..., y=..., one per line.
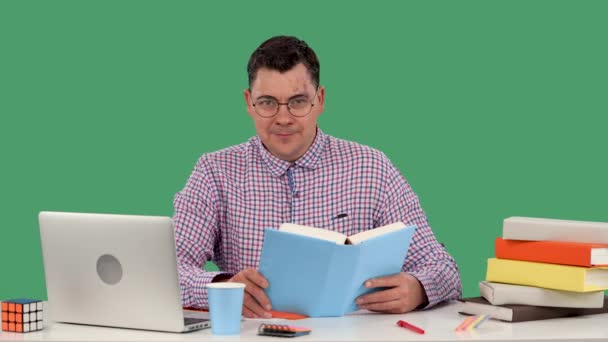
x=266, y=97
x=274, y=98
x=299, y=95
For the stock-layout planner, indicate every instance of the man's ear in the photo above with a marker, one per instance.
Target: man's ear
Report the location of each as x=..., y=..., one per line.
x=249, y=102
x=320, y=100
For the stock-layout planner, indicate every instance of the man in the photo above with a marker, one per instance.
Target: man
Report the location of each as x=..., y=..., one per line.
x=293, y=172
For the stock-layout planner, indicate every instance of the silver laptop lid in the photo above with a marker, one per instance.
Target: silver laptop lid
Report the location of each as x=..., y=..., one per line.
x=111, y=270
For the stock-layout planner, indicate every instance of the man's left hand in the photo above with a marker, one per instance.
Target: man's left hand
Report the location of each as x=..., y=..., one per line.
x=404, y=293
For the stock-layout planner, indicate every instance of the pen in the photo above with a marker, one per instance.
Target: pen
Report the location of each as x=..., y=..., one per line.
x=339, y=216
x=411, y=327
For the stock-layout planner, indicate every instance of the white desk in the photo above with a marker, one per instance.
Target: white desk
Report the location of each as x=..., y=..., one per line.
x=439, y=324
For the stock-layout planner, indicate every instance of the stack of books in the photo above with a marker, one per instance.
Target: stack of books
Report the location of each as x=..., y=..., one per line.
x=545, y=268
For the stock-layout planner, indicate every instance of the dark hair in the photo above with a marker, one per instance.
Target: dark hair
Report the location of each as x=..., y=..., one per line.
x=282, y=53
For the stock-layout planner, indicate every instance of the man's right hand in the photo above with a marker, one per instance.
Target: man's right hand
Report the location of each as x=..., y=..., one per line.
x=255, y=303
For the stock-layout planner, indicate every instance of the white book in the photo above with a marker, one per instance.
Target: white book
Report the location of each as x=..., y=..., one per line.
x=501, y=294
x=541, y=229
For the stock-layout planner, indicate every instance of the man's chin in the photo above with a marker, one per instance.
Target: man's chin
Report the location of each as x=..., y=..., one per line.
x=290, y=157
x=283, y=154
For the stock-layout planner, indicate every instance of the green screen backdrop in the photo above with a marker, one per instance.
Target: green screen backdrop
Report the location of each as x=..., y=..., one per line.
x=490, y=109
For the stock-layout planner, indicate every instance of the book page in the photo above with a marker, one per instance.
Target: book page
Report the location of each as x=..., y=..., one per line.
x=597, y=277
x=477, y=306
x=368, y=234
x=599, y=257
x=313, y=232
x=487, y=291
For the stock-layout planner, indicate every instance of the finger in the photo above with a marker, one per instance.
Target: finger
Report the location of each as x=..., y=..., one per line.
x=251, y=304
x=248, y=313
x=259, y=295
x=255, y=277
x=257, y=291
x=387, y=281
x=263, y=300
x=394, y=293
x=390, y=306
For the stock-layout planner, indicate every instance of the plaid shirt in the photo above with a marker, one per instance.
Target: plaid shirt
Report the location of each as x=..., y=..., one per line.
x=233, y=194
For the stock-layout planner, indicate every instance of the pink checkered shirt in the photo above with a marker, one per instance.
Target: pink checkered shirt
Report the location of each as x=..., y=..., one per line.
x=232, y=195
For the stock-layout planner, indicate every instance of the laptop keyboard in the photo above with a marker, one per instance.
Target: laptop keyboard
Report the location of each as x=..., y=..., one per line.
x=190, y=320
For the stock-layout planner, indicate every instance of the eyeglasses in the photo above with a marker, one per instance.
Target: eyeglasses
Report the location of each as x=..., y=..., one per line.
x=298, y=106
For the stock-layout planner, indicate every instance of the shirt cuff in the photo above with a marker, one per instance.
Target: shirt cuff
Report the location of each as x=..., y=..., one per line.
x=428, y=285
x=197, y=295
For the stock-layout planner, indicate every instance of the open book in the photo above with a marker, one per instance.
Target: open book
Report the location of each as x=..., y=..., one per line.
x=316, y=272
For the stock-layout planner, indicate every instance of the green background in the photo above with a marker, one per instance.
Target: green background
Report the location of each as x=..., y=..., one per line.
x=490, y=109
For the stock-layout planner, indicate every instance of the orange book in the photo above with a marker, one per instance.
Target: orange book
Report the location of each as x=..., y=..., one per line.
x=553, y=252
x=275, y=314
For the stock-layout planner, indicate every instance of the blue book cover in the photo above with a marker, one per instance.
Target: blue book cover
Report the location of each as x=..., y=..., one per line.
x=319, y=278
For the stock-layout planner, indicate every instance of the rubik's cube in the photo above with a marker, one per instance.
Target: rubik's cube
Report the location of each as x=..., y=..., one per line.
x=21, y=315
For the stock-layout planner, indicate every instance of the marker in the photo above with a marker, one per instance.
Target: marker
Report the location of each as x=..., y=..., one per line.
x=411, y=327
x=465, y=323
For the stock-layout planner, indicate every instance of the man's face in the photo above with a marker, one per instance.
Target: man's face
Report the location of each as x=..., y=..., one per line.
x=286, y=136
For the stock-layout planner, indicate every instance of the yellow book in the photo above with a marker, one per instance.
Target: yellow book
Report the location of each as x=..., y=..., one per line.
x=549, y=276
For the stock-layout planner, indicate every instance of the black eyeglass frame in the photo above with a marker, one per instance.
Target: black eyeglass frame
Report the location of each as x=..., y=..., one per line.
x=279, y=104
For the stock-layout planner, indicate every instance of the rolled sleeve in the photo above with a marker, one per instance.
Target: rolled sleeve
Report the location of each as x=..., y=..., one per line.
x=196, y=235
x=427, y=259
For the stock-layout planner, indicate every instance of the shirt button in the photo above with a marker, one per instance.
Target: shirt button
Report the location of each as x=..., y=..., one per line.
x=296, y=195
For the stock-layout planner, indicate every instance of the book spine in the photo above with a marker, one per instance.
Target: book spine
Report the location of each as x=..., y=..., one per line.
x=557, y=277
x=522, y=228
x=544, y=251
x=501, y=294
x=340, y=272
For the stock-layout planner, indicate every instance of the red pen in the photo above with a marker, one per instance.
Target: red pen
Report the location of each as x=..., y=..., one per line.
x=411, y=327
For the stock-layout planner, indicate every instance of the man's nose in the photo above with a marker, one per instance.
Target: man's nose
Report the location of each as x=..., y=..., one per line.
x=284, y=116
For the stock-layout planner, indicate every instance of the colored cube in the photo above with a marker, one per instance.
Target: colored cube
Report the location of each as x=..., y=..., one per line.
x=21, y=315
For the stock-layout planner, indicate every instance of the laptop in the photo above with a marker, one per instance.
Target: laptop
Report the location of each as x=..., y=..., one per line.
x=113, y=270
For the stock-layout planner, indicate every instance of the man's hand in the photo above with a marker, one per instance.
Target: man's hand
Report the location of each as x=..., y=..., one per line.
x=404, y=293
x=255, y=302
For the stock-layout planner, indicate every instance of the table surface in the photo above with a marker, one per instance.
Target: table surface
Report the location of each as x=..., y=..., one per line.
x=439, y=324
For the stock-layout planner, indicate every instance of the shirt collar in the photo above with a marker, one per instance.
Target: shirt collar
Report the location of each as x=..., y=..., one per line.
x=309, y=160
